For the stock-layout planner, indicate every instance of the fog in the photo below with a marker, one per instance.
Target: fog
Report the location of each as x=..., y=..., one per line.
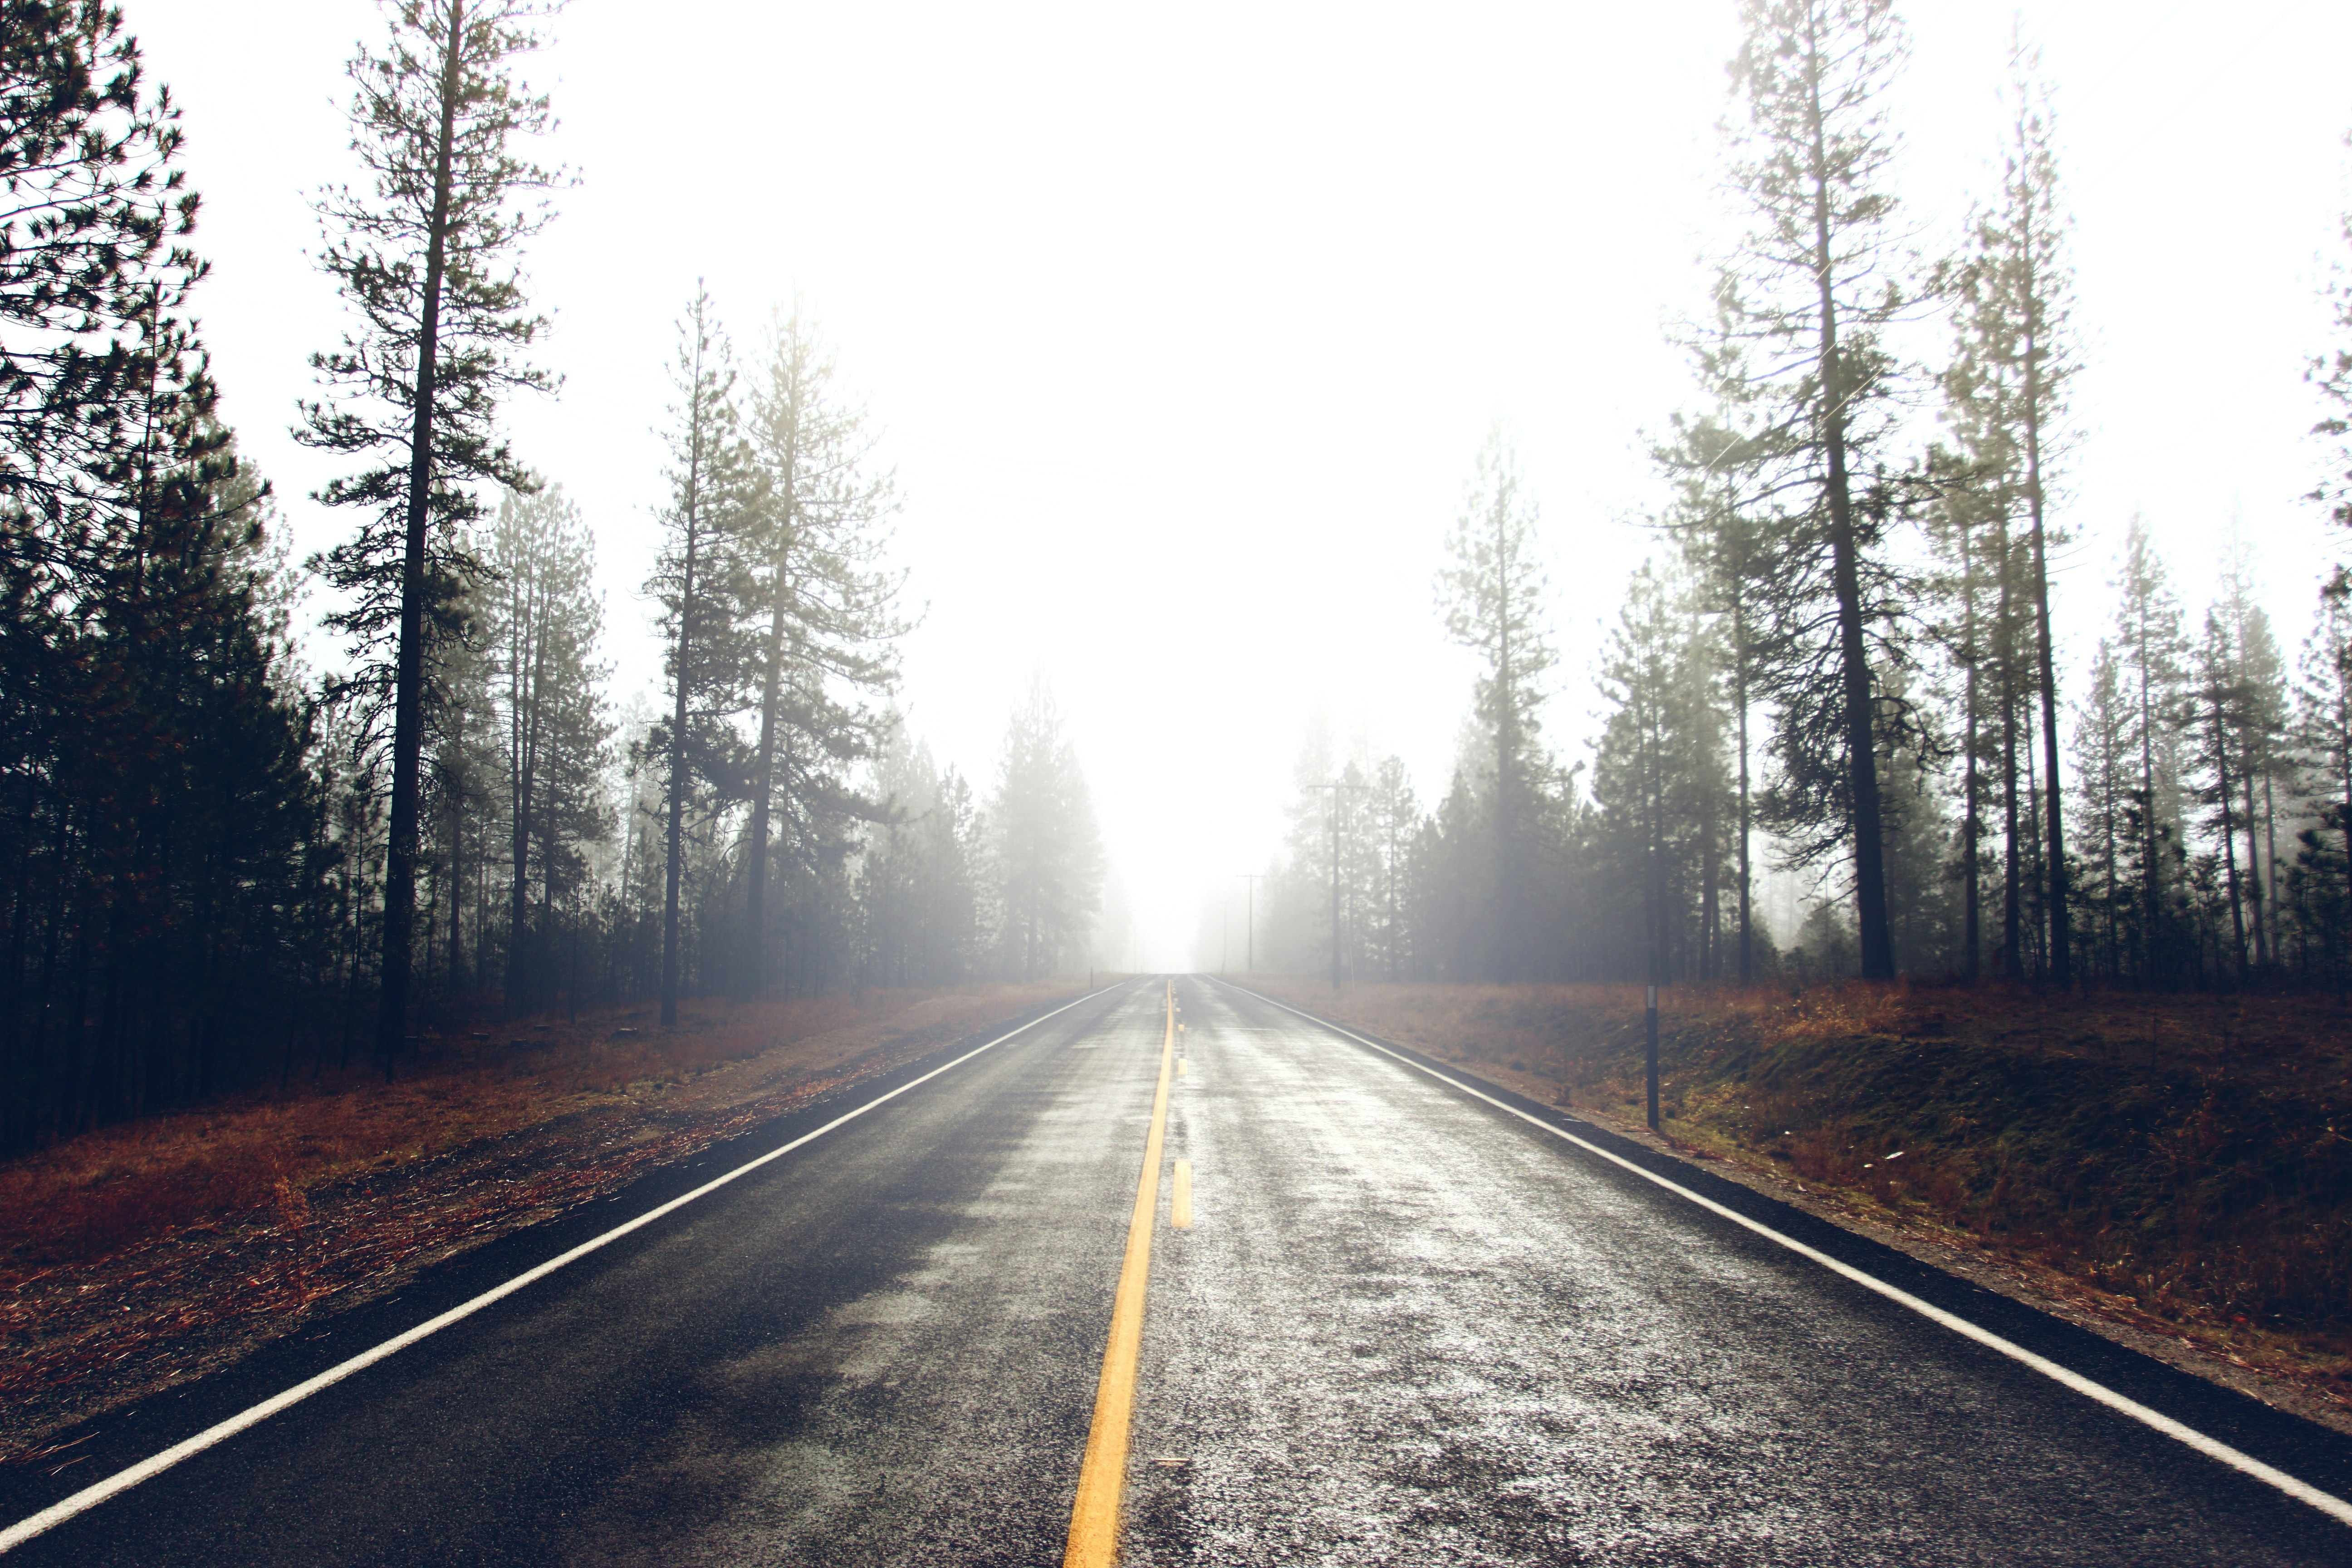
x=1183, y=329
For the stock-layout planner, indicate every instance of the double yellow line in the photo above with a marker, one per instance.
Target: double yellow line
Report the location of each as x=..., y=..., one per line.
x=1102, y=1479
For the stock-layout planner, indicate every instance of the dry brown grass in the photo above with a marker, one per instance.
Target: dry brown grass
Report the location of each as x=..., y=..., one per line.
x=119, y=1185
x=141, y=1253
x=2172, y=1163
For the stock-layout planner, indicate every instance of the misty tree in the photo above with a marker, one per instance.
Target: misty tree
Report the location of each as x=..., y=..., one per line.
x=2323, y=872
x=460, y=790
x=1660, y=777
x=1798, y=349
x=1493, y=595
x=2010, y=381
x=699, y=582
x=426, y=257
x=919, y=892
x=1729, y=553
x=2261, y=725
x=1958, y=526
x=2218, y=703
x=1046, y=850
x=2331, y=372
x=1395, y=814
x=541, y=619
x=2103, y=780
x=2151, y=641
x=821, y=609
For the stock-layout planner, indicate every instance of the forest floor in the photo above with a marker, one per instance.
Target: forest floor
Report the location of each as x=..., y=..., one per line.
x=140, y=1255
x=2171, y=1171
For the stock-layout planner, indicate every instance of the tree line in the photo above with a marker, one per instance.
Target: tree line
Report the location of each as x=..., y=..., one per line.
x=226, y=868
x=1840, y=664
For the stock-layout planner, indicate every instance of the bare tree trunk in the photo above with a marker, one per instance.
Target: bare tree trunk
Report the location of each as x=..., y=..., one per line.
x=1862, y=750
x=1971, y=802
x=2229, y=833
x=2013, y=964
x=408, y=692
x=2254, y=869
x=2061, y=933
x=1740, y=700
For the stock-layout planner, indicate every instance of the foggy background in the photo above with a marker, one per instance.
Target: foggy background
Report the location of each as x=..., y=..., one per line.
x=1184, y=331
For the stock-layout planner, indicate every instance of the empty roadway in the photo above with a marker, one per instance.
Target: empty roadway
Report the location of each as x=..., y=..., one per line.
x=1404, y=1327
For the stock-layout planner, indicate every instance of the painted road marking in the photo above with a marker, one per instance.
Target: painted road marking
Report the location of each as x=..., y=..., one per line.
x=1102, y=1479
x=1180, y=1203
x=2212, y=1448
x=90, y=1496
x=1182, y=1066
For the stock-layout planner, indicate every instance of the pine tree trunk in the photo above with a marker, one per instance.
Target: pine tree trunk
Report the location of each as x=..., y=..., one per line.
x=2013, y=958
x=1740, y=699
x=675, y=833
x=755, y=932
x=1862, y=750
x=2061, y=932
x=408, y=697
x=2229, y=833
x=2254, y=867
x=2152, y=868
x=1971, y=794
x=530, y=672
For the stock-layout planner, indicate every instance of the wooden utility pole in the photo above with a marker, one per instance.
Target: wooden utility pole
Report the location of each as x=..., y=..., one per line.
x=1249, y=962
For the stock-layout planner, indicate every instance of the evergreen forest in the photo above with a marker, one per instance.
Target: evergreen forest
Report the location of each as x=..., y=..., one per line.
x=245, y=846
x=229, y=867
x=1833, y=731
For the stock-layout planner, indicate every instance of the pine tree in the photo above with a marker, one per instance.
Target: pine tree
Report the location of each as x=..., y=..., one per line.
x=1395, y=814
x=2331, y=372
x=2152, y=647
x=1493, y=598
x=2015, y=311
x=1798, y=351
x=1729, y=555
x=2324, y=729
x=1046, y=850
x=699, y=582
x=426, y=258
x=2217, y=715
x=1972, y=633
x=94, y=270
x=825, y=609
x=2103, y=781
x=541, y=620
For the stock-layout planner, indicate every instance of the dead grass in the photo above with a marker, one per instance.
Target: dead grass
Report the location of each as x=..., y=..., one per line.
x=141, y=1255
x=2174, y=1163
x=119, y=1185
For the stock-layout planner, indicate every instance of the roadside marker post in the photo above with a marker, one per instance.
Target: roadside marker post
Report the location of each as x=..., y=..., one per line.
x=1650, y=1027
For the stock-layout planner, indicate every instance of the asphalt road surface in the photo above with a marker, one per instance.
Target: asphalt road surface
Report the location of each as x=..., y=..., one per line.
x=1406, y=1326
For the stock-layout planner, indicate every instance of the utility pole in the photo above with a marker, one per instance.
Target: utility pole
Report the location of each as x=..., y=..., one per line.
x=1335, y=789
x=1249, y=964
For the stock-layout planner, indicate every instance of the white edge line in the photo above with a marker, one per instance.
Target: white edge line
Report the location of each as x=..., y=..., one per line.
x=2212, y=1448
x=90, y=1496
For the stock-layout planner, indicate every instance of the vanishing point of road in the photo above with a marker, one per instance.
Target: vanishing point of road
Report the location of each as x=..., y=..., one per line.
x=1352, y=1312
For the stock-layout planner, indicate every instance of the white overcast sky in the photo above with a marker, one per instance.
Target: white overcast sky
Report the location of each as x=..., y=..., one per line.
x=1184, y=325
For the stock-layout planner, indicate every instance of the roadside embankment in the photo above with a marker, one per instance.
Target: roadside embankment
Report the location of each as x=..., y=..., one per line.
x=143, y=1254
x=2177, y=1167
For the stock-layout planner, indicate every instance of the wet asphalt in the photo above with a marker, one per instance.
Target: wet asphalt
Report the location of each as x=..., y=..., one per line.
x=1404, y=1327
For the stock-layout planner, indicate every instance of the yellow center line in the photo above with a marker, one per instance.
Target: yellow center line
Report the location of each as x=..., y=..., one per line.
x=1102, y=1479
